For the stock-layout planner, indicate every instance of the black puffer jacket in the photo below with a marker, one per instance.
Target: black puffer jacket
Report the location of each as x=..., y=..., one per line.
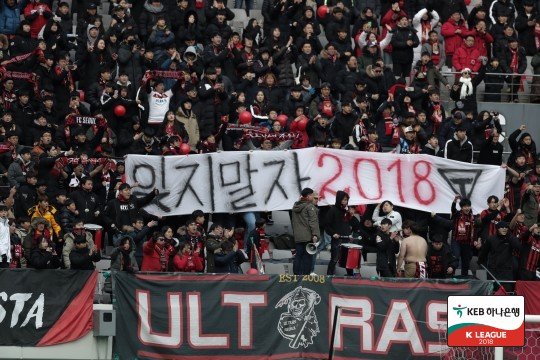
x=343, y=125
x=526, y=32
x=496, y=255
x=400, y=49
x=130, y=62
x=82, y=260
x=42, y=259
x=149, y=17
x=346, y=80
x=211, y=108
x=122, y=212
x=459, y=150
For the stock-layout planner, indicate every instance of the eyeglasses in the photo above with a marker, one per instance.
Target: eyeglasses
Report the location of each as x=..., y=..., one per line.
x=161, y=239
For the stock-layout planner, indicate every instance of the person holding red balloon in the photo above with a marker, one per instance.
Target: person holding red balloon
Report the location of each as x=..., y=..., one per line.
x=170, y=146
x=187, y=117
x=300, y=123
x=323, y=103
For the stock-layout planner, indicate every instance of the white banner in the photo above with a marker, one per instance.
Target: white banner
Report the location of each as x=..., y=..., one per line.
x=272, y=180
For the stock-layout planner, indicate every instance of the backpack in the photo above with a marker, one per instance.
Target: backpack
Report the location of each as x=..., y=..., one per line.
x=283, y=242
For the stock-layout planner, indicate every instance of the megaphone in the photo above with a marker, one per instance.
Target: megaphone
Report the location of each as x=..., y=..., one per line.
x=311, y=248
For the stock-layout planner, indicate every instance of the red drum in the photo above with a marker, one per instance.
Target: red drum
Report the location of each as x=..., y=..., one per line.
x=350, y=255
x=97, y=233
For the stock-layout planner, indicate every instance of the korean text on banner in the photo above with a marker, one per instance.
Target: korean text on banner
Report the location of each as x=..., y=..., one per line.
x=272, y=180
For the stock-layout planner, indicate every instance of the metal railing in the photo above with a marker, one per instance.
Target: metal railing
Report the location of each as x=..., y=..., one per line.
x=522, y=88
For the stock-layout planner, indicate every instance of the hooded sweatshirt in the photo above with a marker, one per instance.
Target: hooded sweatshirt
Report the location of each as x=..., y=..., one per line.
x=337, y=218
x=90, y=40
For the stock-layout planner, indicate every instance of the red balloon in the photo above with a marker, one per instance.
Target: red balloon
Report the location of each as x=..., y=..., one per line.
x=185, y=149
x=322, y=11
x=282, y=120
x=245, y=117
x=252, y=271
x=119, y=110
x=302, y=124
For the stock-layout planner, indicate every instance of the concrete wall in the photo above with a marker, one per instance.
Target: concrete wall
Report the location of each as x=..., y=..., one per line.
x=88, y=347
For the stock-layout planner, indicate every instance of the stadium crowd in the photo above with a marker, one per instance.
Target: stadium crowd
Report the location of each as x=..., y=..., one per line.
x=171, y=77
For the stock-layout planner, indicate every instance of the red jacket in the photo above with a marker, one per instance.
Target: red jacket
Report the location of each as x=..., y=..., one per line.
x=152, y=254
x=453, y=41
x=481, y=41
x=37, y=21
x=466, y=57
x=188, y=263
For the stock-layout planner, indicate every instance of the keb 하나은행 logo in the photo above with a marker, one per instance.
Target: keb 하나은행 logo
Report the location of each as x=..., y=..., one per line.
x=459, y=310
x=486, y=321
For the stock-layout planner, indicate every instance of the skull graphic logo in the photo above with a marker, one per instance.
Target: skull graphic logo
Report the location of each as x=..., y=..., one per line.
x=299, y=323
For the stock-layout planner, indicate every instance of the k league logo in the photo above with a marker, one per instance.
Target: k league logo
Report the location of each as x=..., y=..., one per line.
x=299, y=323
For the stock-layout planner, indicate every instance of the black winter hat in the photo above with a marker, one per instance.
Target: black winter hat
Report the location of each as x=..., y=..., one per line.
x=306, y=192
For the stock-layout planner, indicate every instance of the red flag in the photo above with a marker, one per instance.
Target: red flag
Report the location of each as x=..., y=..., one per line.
x=500, y=292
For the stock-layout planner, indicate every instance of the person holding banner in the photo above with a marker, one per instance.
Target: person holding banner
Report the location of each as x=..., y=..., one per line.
x=305, y=223
x=120, y=213
x=388, y=213
x=459, y=148
x=497, y=211
x=464, y=235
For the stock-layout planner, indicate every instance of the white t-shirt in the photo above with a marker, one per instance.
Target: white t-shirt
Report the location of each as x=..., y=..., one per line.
x=159, y=105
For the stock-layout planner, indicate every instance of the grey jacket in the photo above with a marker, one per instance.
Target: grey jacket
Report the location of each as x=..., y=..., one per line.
x=305, y=221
